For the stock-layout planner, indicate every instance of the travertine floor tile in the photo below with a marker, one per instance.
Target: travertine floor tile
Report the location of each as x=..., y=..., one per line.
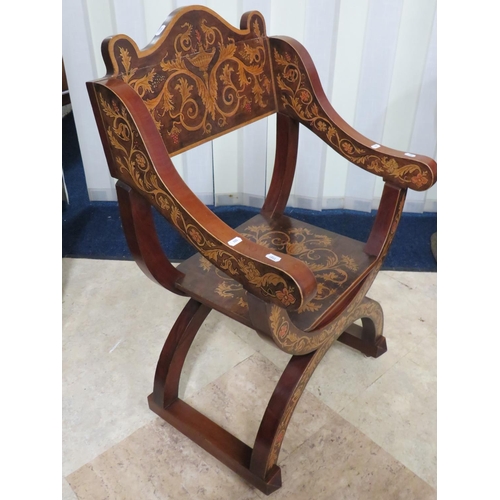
x=157, y=462
x=238, y=399
x=114, y=325
x=67, y=492
x=409, y=301
x=341, y=463
x=409, y=317
x=115, y=322
x=214, y=351
x=399, y=411
x=266, y=347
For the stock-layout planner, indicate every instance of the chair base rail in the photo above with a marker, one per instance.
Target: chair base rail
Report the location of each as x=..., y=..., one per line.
x=227, y=448
x=257, y=465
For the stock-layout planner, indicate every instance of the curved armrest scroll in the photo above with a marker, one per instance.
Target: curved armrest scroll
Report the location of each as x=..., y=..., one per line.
x=301, y=96
x=138, y=157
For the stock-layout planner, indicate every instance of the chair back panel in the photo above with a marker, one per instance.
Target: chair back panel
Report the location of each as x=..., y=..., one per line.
x=199, y=77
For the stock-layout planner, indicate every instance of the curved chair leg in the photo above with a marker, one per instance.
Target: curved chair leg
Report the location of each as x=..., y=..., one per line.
x=164, y=401
x=292, y=384
x=258, y=465
x=174, y=352
x=280, y=409
x=368, y=338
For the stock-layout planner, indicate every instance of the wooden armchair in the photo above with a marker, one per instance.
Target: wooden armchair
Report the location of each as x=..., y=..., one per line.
x=301, y=286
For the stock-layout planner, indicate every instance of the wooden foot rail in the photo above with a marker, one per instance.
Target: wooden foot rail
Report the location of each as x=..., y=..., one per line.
x=258, y=466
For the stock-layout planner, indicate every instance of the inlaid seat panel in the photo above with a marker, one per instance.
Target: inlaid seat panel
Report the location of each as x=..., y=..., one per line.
x=337, y=262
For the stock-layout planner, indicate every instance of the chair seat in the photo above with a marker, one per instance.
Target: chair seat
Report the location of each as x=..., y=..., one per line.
x=337, y=262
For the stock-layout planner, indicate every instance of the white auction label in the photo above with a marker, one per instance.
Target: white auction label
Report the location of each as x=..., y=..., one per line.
x=273, y=257
x=234, y=241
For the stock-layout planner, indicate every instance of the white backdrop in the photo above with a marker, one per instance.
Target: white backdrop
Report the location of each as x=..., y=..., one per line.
x=376, y=60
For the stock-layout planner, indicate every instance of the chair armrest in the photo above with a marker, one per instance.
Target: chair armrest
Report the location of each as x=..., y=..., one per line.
x=138, y=157
x=301, y=96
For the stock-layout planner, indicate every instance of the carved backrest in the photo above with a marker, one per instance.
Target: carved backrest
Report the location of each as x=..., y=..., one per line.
x=199, y=77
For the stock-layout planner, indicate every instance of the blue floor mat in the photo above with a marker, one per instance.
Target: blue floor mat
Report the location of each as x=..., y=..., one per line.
x=93, y=229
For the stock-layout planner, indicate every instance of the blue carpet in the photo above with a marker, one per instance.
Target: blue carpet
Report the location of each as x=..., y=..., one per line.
x=93, y=229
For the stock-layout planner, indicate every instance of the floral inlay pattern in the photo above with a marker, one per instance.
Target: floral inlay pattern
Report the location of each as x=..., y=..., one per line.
x=295, y=341
x=367, y=308
x=208, y=79
x=330, y=270
x=295, y=93
x=134, y=163
x=315, y=250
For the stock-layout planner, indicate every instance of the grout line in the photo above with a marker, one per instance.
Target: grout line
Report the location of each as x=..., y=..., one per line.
x=395, y=279
x=116, y=345
x=373, y=382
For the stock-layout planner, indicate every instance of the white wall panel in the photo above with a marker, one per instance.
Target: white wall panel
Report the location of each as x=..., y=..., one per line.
x=415, y=33
x=155, y=12
x=320, y=32
x=129, y=20
x=424, y=133
x=271, y=148
x=253, y=160
x=376, y=60
x=101, y=24
x=349, y=51
x=79, y=62
x=430, y=204
x=198, y=172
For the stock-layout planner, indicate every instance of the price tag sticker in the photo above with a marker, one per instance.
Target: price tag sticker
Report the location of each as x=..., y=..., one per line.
x=273, y=257
x=234, y=241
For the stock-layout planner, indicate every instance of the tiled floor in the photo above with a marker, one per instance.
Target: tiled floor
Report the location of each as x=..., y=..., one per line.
x=364, y=429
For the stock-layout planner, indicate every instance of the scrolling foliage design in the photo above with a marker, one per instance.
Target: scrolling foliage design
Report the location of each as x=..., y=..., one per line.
x=315, y=250
x=367, y=308
x=209, y=79
x=295, y=92
x=295, y=341
x=134, y=163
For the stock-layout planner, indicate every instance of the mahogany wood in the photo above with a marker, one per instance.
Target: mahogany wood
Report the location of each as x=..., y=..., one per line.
x=144, y=163
x=142, y=239
x=367, y=338
x=281, y=234
x=301, y=96
x=174, y=352
x=292, y=384
x=198, y=79
x=166, y=403
x=383, y=220
x=353, y=337
x=228, y=449
x=287, y=143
